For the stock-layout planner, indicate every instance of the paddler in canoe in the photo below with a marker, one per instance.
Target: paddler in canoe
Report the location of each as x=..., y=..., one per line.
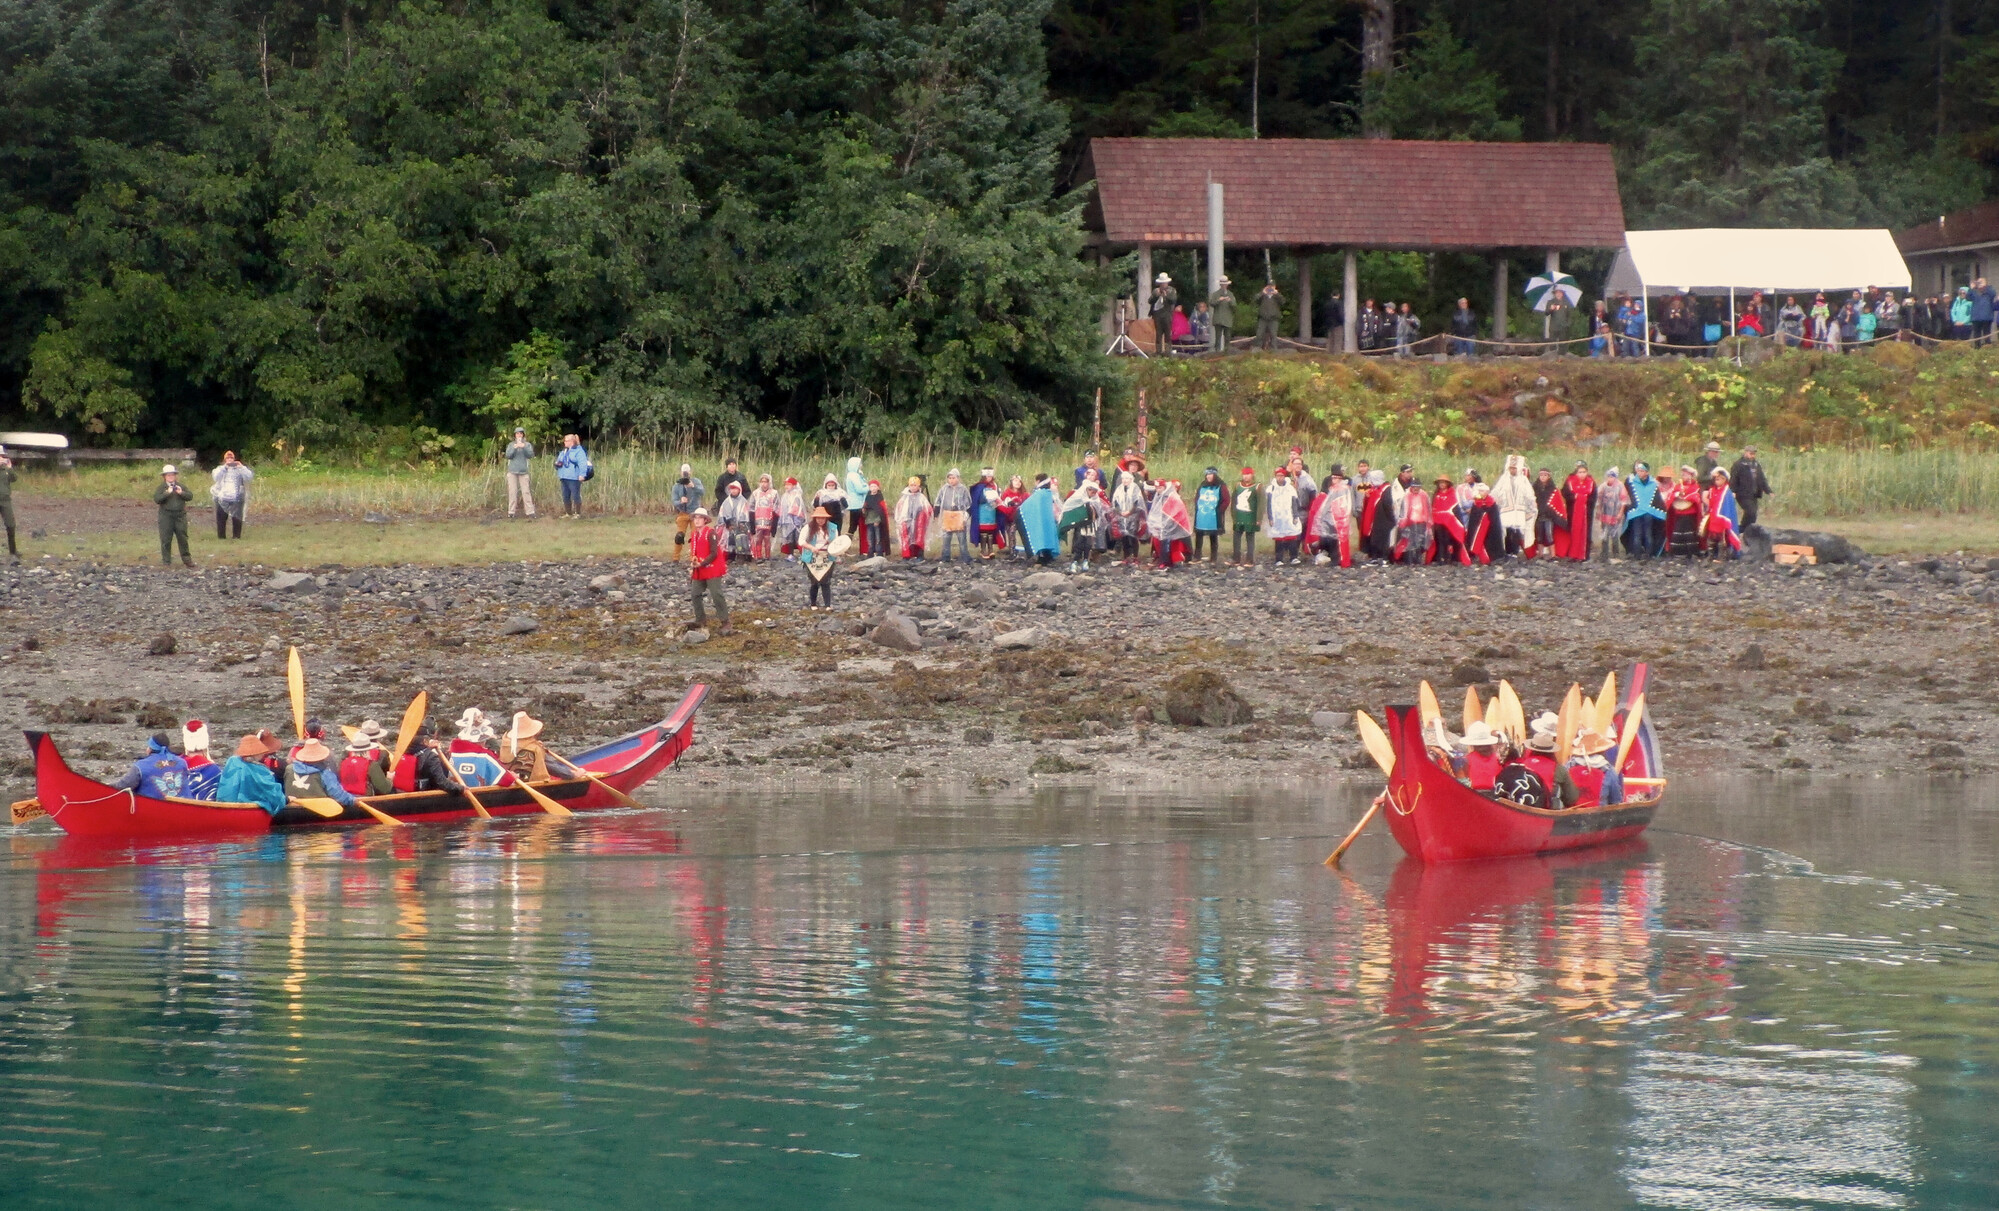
x=525, y=755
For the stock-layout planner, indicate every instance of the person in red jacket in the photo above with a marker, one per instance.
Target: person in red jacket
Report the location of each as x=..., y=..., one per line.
x=711, y=564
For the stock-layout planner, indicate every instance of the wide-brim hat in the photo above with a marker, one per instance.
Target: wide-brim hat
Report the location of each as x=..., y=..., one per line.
x=1541, y=742
x=1479, y=735
x=1590, y=741
x=361, y=744
x=525, y=727
x=820, y=514
x=1162, y=278
x=471, y=716
x=312, y=750
x=258, y=744
x=371, y=729
x=169, y=469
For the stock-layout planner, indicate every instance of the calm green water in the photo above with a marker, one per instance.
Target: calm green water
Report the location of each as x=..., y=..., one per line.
x=1786, y=998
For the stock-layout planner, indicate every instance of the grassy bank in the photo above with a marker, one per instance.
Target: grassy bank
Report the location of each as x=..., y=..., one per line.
x=1821, y=482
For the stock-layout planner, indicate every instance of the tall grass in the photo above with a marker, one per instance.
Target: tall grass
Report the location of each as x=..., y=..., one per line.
x=634, y=482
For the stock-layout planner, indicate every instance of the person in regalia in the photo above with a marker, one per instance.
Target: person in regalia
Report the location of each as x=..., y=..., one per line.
x=1684, y=523
x=1597, y=784
x=1331, y=528
x=1720, y=518
x=1447, y=527
x=1551, y=521
x=1377, y=519
x=1612, y=501
x=1412, y=525
x=1578, y=497
x=1483, y=536
x=1645, y=520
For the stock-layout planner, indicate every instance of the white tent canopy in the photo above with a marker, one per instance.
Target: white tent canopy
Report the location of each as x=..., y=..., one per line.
x=1718, y=260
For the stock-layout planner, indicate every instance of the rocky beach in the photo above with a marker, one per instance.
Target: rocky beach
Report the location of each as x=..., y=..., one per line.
x=1001, y=675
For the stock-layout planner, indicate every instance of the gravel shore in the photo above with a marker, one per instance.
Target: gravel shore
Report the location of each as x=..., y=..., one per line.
x=999, y=674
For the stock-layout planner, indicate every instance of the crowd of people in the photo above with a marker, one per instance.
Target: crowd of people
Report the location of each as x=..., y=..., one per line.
x=265, y=771
x=1620, y=326
x=1121, y=514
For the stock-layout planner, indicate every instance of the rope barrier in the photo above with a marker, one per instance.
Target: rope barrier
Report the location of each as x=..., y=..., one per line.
x=1617, y=344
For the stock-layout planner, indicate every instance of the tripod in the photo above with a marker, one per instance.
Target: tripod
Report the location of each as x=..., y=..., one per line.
x=1122, y=342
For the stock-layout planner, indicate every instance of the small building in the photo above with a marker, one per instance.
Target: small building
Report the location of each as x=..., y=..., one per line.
x=1953, y=250
x=1350, y=195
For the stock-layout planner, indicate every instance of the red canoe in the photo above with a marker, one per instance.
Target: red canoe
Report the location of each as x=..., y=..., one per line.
x=86, y=807
x=1436, y=818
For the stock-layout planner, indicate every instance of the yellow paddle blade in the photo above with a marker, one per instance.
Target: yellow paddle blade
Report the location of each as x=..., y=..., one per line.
x=1495, y=716
x=1631, y=722
x=1565, y=724
x=295, y=674
x=1426, y=704
x=476, y=805
x=1515, y=717
x=321, y=807
x=376, y=812
x=418, y=708
x=1474, y=713
x=350, y=731
x=556, y=809
x=1606, y=704
x=1376, y=741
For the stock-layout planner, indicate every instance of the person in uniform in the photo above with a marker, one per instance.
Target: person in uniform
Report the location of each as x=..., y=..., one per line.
x=172, y=496
x=1221, y=305
x=1269, y=312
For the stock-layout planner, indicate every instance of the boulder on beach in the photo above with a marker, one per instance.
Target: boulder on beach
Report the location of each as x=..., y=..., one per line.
x=899, y=633
x=1202, y=698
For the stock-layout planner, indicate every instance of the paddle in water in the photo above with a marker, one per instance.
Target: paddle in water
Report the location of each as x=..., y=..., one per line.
x=1378, y=747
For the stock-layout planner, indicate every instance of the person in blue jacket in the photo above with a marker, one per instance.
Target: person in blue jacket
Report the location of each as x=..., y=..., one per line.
x=247, y=778
x=1211, y=508
x=158, y=774
x=572, y=467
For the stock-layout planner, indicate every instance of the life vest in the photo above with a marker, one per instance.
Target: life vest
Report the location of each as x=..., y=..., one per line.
x=354, y=771
x=404, y=779
x=1483, y=769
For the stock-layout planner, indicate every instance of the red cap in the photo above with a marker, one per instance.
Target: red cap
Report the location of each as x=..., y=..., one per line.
x=1249, y=472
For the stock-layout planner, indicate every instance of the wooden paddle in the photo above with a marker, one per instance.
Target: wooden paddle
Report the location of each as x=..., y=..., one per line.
x=1514, y=717
x=1426, y=705
x=1566, y=722
x=547, y=804
x=1631, y=722
x=1606, y=705
x=329, y=809
x=477, y=806
x=1474, y=713
x=295, y=675
x=418, y=708
x=1376, y=742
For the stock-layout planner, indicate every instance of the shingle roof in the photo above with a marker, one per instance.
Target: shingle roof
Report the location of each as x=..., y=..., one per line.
x=1973, y=225
x=1365, y=193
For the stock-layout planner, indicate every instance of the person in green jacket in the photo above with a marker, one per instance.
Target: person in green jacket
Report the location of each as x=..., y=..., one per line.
x=1269, y=310
x=172, y=496
x=1221, y=305
x=1246, y=511
x=7, y=502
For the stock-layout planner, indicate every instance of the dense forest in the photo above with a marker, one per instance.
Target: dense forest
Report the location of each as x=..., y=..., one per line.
x=386, y=226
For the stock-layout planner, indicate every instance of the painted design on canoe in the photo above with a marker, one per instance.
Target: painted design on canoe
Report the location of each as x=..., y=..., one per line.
x=86, y=807
x=1436, y=818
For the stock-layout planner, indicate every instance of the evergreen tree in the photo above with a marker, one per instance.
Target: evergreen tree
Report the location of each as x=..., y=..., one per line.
x=1727, y=125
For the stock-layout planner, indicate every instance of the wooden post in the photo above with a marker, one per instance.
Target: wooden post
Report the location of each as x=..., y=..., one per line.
x=1349, y=301
x=1097, y=423
x=1215, y=239
x=1304, y=258
x=1144, y=295
x=1141, y=422
x=1499, y=296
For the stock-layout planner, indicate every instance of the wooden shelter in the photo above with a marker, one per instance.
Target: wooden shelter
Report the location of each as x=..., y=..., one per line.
x=1322, y=195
